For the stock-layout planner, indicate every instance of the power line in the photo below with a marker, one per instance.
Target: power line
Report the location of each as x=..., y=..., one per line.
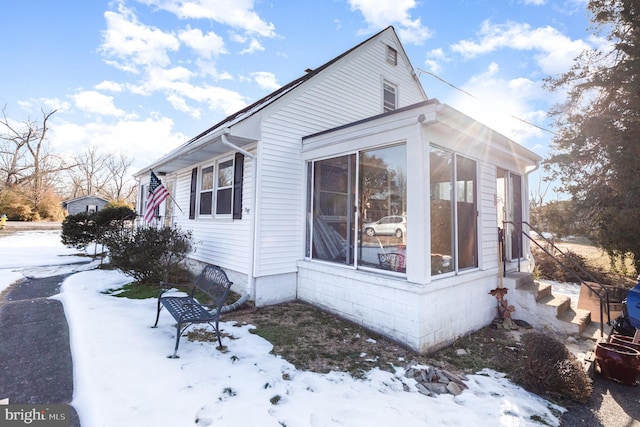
x=421, y=71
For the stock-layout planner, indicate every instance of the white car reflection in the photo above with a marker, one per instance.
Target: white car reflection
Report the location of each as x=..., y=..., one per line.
x=393, y=225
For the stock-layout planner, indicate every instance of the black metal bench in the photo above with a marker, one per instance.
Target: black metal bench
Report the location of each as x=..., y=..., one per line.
x=187, y=310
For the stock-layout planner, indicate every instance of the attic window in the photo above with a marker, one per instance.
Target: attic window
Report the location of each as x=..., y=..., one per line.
x=389, y=97
x=392, y=56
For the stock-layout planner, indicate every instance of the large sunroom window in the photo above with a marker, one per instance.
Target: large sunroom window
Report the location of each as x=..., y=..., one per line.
x=357, y=209
x=453, y=201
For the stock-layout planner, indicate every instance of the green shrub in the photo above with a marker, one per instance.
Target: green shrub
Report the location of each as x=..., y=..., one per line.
x=549, y=368
x=78, y=230
x=148, y=254
x=82, y=229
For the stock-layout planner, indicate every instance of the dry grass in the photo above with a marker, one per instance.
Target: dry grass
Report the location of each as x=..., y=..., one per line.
x=597, y=258
x=315, y=340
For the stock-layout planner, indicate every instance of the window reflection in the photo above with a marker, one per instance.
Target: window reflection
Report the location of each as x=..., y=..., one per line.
x=453, y=202
x=379, y=178
x=383, y=207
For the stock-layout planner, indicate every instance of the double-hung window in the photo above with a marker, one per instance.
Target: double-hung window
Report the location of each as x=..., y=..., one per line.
x=224, y=188
x=217, y=189
x=206, y=190
x=389, y=96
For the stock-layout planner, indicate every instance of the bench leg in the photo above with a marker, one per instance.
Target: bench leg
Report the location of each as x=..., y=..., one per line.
x=155, y=325
x=175, y=350
x=218, y=334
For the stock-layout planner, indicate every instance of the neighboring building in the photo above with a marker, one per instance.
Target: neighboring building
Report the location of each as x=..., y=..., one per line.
x=349, y=189
x=86, y=204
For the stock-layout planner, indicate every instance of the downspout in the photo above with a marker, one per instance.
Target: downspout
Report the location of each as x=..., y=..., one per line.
x=532, y=263
x=254, y=195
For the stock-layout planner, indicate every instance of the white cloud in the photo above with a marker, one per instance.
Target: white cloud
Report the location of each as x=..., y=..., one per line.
x=254, y=46
x=140, y=139
x=266, y=80
x=208, y=69
x=504, y=104
x=205, y=45
x=109, y=86
x=130, y=43
x=435, y=58
x=46, y=104
x=534, y=2
x=133, y=46
x=238, y=38
x=162, y=78
x=216, y=98
x=95, y=102
x=382, y=13
x=239, y=14
x=555, y=50
x=180, y=104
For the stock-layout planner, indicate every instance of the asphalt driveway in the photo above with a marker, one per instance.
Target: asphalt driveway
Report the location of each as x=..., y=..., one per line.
x=35, y=356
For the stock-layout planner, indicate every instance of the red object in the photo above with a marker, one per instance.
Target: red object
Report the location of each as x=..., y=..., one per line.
x=157, y=194
x=624, y=340
x=618, y=362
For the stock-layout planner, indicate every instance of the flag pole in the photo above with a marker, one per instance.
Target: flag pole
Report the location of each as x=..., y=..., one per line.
x=175, y=203
x=169, y=193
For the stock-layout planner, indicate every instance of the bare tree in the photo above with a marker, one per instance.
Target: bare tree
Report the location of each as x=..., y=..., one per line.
x=121, y=186
x=26, y=162
x=538, y=193
x=90, y=173
x=102, y=174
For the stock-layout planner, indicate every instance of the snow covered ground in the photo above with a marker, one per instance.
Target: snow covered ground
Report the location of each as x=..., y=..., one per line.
x=122, y=376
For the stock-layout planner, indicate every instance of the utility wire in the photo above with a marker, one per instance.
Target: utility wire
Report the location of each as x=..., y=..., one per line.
x=421, y=71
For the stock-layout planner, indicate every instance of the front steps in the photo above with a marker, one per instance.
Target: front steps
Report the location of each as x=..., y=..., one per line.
x=536, y=304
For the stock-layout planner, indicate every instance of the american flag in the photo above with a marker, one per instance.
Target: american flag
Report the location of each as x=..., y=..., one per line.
x=157, y=194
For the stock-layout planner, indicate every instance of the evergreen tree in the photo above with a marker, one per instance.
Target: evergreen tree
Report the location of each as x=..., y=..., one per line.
x=596, y=154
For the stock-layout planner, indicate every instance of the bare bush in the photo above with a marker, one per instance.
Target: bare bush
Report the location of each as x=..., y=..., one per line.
x=549, y=368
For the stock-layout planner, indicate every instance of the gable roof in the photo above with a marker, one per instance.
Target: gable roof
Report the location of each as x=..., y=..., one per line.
x=263, y=102
x=90, y=196
x=250, y=110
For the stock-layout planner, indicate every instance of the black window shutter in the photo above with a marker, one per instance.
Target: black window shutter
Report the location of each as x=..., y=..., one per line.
x=192, y=195
x=238, y=173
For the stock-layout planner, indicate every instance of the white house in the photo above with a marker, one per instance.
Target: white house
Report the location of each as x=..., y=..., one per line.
x=349, y=189
x=87, y=204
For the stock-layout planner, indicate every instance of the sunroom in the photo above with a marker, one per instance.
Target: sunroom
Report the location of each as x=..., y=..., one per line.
x=401, y=222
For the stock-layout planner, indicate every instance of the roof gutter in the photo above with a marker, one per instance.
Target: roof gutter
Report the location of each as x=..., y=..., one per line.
x=251, y=283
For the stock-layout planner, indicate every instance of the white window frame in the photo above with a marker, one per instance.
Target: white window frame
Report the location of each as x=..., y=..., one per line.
x=352, y=256
x=392, y=55
x=219, y=188
x=215, y=189
x=202, y=190
x=455, y=194
x=388, y=87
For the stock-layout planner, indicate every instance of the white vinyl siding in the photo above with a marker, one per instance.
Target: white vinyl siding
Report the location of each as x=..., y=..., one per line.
x=224, y=241
x=346, y=94
x=488, y=216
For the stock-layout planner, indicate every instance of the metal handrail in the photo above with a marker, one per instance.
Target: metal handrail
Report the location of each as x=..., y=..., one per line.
x=604, y=301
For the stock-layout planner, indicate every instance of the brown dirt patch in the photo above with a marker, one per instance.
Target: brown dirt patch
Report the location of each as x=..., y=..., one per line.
x=315, y=340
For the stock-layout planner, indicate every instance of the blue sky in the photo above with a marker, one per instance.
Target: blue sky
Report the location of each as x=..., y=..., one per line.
x=143, y=76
